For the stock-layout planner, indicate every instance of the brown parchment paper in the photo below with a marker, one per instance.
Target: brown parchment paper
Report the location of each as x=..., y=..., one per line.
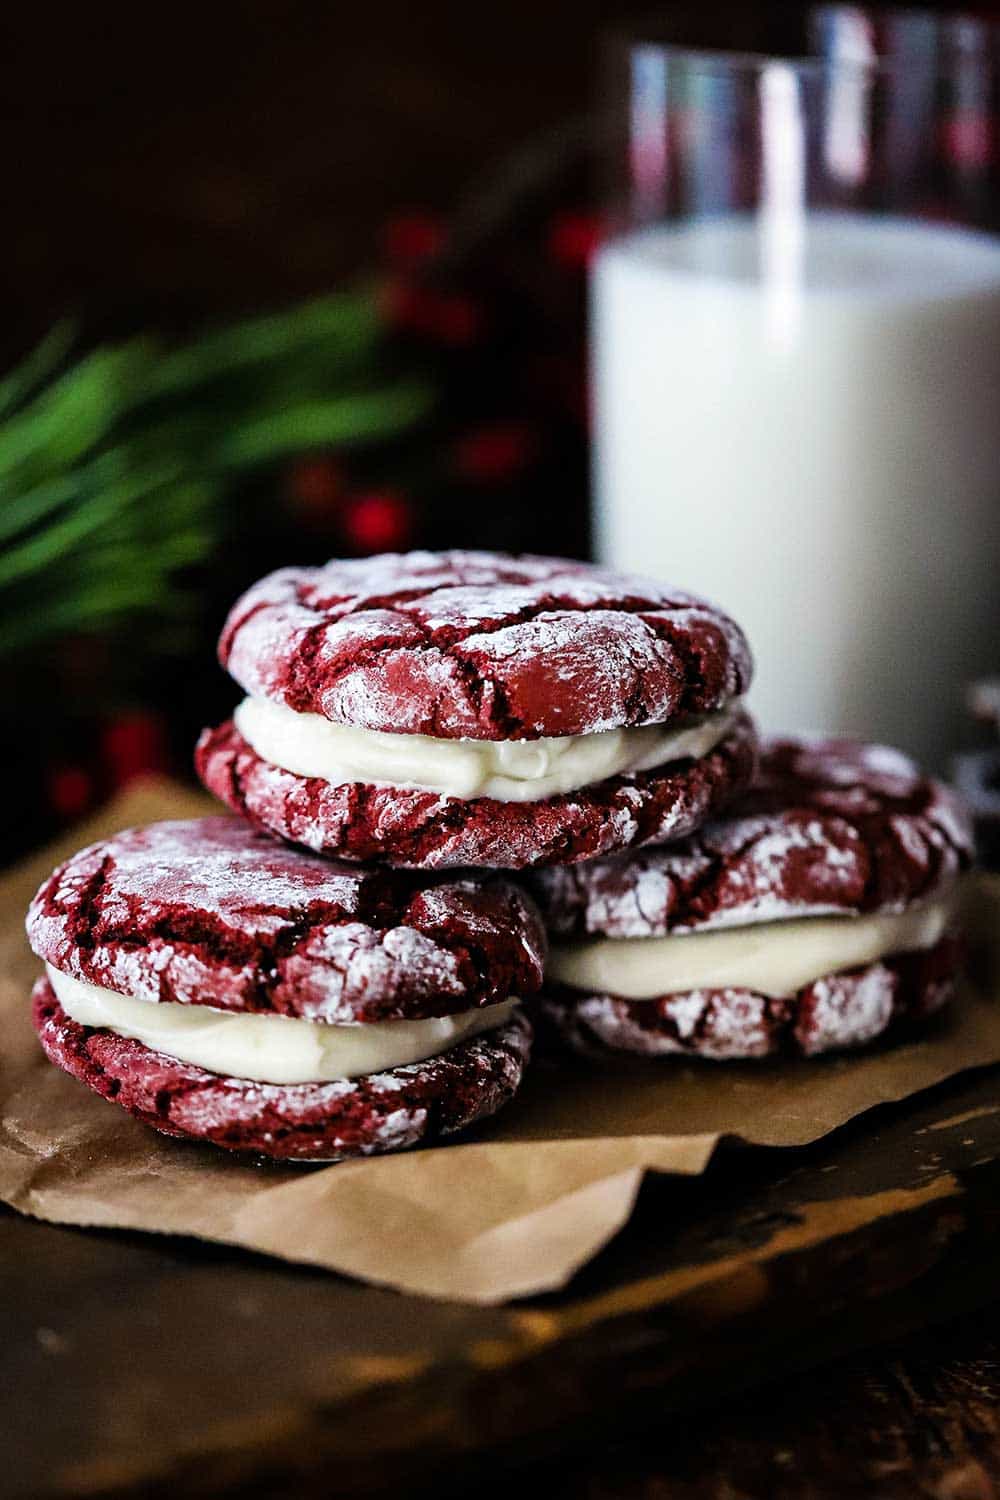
x=514, y=1210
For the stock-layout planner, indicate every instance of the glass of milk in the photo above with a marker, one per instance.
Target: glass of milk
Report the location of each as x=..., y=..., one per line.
x=796, y=360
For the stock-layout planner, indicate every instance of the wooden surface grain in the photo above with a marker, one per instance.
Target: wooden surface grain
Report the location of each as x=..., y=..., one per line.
x=139, y=1365
x=918, y=1420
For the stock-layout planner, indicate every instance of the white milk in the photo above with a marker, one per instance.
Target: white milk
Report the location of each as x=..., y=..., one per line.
x=817, y=450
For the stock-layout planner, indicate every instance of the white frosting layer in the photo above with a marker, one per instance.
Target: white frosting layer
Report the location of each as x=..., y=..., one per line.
x=770, y=958
x=507, y=770
x=269, y=1049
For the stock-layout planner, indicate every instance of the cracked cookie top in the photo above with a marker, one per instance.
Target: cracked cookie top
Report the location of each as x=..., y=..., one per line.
x=209, y=912
x=829, y=826
x=482, y=645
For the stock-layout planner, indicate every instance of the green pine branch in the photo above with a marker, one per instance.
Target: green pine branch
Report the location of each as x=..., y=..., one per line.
x=114, y=467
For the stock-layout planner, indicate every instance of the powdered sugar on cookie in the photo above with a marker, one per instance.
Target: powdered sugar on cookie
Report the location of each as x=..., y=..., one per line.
x=291, y=1122
x=828, y=826
x=415, y=829
x=482, y=645
x=208, y=912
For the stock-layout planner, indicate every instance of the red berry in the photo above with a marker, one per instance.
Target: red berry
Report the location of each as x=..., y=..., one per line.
x=379, y=521
x=412, y=238
x=574, y=239
x=446, y=318
x=70, y=790
x=135, y=744
x=496, y=452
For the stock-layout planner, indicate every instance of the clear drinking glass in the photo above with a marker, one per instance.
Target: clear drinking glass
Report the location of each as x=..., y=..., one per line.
x=796, y=358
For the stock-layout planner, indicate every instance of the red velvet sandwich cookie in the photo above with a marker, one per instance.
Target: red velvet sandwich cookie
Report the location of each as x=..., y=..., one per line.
x=812, y=916
x=223, y=987
x=434, y=710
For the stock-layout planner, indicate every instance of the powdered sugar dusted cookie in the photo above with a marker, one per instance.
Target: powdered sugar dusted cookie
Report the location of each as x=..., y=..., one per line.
x=815, y=913
x=209, y=912
x=425, y=830
x=481, y=645
x=222, y=985
x=386, y=1111
x=829, y=826
x=836, y=1012
x=441, y=709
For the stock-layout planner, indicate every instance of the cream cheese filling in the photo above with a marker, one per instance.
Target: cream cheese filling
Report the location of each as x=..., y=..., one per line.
x=507, y=770
x=771, y=958
x=269, y=1049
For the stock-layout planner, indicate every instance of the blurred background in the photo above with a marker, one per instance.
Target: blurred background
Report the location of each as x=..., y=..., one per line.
x=284, y=280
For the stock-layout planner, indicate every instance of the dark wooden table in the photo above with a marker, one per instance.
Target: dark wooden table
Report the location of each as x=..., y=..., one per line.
x=138, y=1365
x=917, y=1420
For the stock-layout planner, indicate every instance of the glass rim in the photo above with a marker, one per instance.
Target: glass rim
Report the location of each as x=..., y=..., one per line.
x=946, y=53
